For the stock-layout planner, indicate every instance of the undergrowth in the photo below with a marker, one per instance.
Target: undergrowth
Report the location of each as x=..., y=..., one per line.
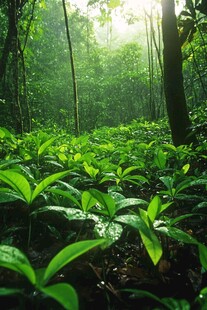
x=126, y=189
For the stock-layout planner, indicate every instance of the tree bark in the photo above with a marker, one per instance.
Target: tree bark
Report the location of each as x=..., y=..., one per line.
x=173, y=78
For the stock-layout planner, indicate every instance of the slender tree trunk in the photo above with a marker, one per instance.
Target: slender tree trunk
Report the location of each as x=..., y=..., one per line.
x=173, y=78
x=7, y=43
x=27, y=114
x=17, y=109
x=75, y=89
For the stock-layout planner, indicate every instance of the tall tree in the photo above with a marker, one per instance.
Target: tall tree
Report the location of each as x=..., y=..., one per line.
x=173, y=78
x=75, y=89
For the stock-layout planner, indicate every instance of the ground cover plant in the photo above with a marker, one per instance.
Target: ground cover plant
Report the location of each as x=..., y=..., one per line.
x=115, y=218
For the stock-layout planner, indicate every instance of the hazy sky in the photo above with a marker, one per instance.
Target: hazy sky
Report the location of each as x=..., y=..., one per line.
x=121, y=30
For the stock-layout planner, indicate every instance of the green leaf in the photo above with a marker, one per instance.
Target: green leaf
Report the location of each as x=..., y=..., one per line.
x=168, y=181
x=128, y=170
x=177, y=234
x=178, y=304
x=154, y=208
x=45, y=145
x=105, y=201
x=180, y=218
x=152, y=246
x=185, y=168
x=18, y=182
x=4, y=133
x=109, y=230
x=47, y=181
x=134, y=221
x=141, y=294
x=169, y=303
x=5, y=291
x=12, y=258
x=160, y=159
x=88, y=201
x=68, y=254
x=198, y=182
x=128, y=202
x=134, y=178
x=90, y=170
x=8, y=195
x=203, y=255
x=64, y=293
x=66, y=195
x=69, y=213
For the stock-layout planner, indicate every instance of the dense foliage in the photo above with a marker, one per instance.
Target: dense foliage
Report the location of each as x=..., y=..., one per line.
x=127, y=187
x=116, y=84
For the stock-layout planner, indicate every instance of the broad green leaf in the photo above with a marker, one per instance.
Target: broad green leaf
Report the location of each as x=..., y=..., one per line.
x=199, y=182
x=185, y=168
x=183, y=185
x=153, y=246
x=108, y=177
x=62, y=157
x=203, y=255
x=128, y=202
x=68, y=254
x=160, y=159
x=168, y=181
x=128, y=170
x=12, y=258
x=178, y=304
x=154, y=208
x=18, y=182
x=45, y=145
x=109, y=230
x=180, y=218
x=169, y=147
x=5, y=291
x=177, y=234
x=8, y=195
x=144, y=216
x=119, y=172
x=88, y=201
x=5, y=163
x=77, y=156
x=105, y=201
x=68, y=213
x=90, y=170
x=63, y=293
x=134, y=221
x=165, y=206
x=134, y=178
x=65, y=194
x=47, y=181
x=4, y=133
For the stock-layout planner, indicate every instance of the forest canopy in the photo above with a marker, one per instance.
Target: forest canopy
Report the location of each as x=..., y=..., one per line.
x=116, y=81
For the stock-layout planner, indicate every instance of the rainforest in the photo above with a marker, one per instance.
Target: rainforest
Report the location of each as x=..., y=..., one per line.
x=103, y=154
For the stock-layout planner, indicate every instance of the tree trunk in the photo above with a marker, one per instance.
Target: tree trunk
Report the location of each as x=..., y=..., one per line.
x=17, y=109
x=75, y=89
x=173, y=78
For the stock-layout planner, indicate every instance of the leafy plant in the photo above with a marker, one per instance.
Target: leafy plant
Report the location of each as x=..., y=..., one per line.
x=168, y=303
x=98, y=207
x=12, y=258
x=22, y=189
x=121, y=176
